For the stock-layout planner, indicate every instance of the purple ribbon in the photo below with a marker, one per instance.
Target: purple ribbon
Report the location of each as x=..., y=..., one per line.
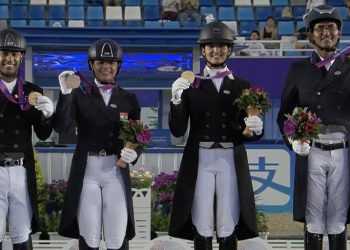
x=24, y=104
x=198, y=78
x=86, y=86
x=345, y=51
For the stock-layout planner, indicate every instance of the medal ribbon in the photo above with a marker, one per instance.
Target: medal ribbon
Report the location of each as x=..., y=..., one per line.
x=198, y=78
x=86, y=86
x=24, y=104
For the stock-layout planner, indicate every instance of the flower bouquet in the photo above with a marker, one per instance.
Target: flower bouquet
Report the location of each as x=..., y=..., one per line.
x=134, y=134
x=255, y=101
x=301, y=125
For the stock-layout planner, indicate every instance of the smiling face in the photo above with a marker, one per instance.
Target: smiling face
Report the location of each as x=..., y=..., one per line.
x=216, y=54
x=9, y=64
x=105, y=70
x=325, y=35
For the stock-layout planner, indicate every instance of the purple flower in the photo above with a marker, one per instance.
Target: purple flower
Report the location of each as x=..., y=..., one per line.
x=144, y=137
x=289, y=127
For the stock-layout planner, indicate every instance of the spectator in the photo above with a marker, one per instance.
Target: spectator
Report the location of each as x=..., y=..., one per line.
x=255, y=48
x=312, y=4
x=269, y=32
x=170, y=9
x=301, y=35
x=189, y=9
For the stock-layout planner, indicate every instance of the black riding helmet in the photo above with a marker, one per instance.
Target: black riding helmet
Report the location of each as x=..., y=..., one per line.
x=12, y=40
x=216, y=32
x=320, y=14
x=105, y=49
x=323, y=13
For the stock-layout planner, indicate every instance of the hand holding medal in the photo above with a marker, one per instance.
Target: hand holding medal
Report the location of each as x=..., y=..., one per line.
x=33, y=98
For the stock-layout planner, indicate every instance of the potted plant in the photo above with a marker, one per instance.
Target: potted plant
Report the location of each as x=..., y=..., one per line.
x=262, y=224
x=163, y=188
x=141, y=181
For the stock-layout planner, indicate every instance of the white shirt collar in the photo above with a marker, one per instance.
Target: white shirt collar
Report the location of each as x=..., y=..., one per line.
x=211, y=72
x=10, y=85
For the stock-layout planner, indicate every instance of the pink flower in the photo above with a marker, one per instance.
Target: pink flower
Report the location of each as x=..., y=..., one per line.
x=289, y=127
x=144, y=137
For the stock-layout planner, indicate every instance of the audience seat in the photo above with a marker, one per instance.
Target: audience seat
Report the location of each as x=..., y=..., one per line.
x=76, y=13
x=151, y=13
x=56, y=13
x=261, y=3
x=285, y=28
x=245, y=14
x=226, y=13
x=220, y=3
x=19, y=12
x=262, y=13
x=245, y=27
x=114, y=13
x=132, y=13
x=37, y=23
x=4, y=12
x=94, y=13
x=279, y=2
x=37, y=12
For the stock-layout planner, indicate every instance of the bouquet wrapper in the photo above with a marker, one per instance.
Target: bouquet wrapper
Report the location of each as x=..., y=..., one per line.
x=251, y=111
x=120, y=162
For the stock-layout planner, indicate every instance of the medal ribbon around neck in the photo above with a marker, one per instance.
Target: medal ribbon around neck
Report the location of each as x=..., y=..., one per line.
x=196, y=79
x=86, y=86
x=23, y=104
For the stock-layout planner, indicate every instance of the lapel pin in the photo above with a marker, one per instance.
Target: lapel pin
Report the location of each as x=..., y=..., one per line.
x=227, y=92
x=337, y=73
x=113, y=106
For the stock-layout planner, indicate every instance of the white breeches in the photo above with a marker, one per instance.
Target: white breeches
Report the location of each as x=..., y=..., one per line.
x=216, y=176
x=103, y=202
x=327, y=191
x=15, y=203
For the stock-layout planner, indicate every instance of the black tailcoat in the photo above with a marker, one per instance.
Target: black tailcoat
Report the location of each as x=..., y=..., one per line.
x=213, y=116
x=328, y=96
x=16, y=136
x=97, y=128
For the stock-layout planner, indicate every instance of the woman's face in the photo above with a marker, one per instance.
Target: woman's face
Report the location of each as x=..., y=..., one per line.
x=270, y=22
x=216, y=54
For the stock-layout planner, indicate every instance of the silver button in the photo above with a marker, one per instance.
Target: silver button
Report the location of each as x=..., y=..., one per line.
x=207, y=125
x=318, y=106
x=1, y=115
x=318, y=93
x=15, y=145
x=2, y=131
x=206, y=137
x=338, y=107
x=223, y=125
x=224, y=137
x=16, y=132
x=224, y=114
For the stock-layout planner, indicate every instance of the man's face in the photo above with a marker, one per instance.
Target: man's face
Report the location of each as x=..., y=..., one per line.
x=326, y=34
x=9, y=64
x=105, y=71
x=216, y=53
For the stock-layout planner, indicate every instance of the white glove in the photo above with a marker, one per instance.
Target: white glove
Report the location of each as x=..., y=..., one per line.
x=254, y=123
x=128, y=155
x=177, y=88
x=62, y=78
x=301, y=148
x=44, y=104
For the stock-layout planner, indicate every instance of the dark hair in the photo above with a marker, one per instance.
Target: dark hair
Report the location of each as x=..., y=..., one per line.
x=255, y=31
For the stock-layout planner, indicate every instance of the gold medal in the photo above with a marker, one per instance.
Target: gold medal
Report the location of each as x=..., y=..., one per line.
x=33, y=97
x=73, y=81
x=189, y=76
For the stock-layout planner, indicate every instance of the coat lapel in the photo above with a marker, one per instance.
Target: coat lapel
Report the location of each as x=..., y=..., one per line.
x=97, y=98
x=335, y=72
